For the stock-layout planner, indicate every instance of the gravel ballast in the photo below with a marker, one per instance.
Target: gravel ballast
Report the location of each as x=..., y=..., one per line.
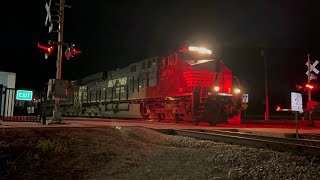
x=139, y=153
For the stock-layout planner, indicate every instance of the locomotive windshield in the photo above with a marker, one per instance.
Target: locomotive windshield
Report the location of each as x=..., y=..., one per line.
x=195, y=55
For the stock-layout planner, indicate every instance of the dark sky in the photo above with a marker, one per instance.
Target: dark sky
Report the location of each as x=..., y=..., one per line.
x=112, y=34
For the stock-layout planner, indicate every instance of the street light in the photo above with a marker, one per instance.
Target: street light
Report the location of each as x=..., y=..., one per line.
x=237, y=91
x=262, y=53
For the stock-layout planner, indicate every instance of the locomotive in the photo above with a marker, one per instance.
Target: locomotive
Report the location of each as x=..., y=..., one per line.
x=186, y=85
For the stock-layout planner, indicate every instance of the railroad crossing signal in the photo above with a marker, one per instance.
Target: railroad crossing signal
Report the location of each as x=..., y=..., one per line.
x=71, y=52
x=48, y=18
x=47, y=50
x=309, y=86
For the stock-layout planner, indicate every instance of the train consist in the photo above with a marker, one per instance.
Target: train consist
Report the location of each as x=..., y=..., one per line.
x=187, y=85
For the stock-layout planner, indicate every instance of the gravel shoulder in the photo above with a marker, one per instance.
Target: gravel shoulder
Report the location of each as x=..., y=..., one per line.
x=139, y=153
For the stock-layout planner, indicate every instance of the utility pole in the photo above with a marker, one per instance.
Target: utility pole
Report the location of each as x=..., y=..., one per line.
x=266, y=114
x=238, y=82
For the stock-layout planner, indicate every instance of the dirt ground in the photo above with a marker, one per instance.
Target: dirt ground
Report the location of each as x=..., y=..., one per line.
x=137, y=153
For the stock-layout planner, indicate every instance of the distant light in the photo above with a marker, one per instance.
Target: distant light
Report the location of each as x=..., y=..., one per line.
x=139, y=86
x=278, y=108
x=237, y=90
x=299, y=87
x=200, y=50
x=216, y=88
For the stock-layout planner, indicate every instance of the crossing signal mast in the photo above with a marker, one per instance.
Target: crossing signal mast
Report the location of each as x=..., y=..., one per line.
x=311, y=68
x=69, y=53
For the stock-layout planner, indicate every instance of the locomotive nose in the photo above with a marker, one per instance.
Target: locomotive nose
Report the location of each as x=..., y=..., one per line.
x=218, y=109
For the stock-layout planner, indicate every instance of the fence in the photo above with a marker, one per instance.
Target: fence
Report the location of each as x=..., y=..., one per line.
x=13, y=109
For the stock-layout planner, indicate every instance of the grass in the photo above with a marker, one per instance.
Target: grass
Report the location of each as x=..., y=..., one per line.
x=4, y=144
x=22, y=150
x=56, y=145
x=65, y=153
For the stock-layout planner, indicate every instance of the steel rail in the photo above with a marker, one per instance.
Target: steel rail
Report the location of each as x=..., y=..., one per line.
x=301, y=147
x=268, y=138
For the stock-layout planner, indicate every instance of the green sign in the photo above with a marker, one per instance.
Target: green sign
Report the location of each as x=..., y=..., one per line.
x=24, y=95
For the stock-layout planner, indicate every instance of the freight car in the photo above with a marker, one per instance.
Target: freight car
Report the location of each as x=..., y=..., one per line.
x=186, y=85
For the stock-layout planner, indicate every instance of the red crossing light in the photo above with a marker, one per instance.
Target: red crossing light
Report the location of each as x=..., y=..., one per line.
x=68, y=54
x=309, y=86
x=71, y=52
x=299, y=87
x=47, y=50
x=76, y=52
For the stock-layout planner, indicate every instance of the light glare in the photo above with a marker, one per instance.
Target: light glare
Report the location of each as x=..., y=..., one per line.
x=200, y=50
x=237, y=91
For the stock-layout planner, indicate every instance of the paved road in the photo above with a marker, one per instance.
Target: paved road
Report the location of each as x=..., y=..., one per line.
x=271, y=130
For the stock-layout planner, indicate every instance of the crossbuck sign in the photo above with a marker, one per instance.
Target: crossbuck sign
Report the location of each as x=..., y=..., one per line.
x=48, y=18
x=313, y=67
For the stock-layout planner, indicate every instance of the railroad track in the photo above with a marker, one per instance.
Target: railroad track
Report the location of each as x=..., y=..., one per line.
x=298, y=146
x=310, y=136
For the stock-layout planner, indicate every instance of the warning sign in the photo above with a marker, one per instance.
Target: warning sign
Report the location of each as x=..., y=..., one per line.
x=296, y=102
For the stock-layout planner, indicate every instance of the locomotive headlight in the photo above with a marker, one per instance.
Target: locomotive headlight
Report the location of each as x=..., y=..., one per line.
x=200, y=50
x=216, y=88
x=237, y=91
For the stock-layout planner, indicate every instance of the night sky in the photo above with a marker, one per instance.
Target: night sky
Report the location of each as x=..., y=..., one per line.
x=112, y=34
